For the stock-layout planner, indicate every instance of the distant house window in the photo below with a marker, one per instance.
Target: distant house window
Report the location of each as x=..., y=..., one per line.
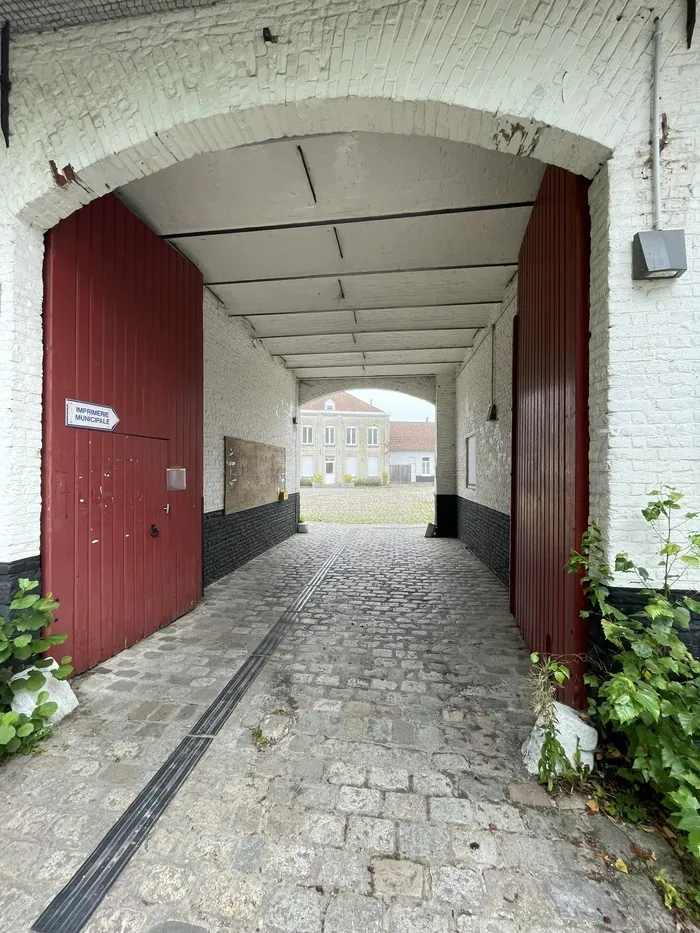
x=307, y=434
x=330, y=405
x=351, y=437
x=307, y=465
x=425, y=466
x=351, y=466
x=373, y=437
x=329, y=435
x=471, y=460
x=373, y=466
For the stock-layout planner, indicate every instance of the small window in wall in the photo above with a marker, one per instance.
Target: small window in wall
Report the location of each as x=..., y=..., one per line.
x=373, y=466
x=307, y=434
x=373, y=437
x=351, y=437
x=471, y=460
x=351, y=466
x=329, y=435
x=330, y=405
x=307, y=465
x=425, y=466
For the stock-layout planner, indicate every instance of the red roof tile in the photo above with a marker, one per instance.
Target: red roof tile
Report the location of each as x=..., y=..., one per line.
x=411, y=435
x=343, y=401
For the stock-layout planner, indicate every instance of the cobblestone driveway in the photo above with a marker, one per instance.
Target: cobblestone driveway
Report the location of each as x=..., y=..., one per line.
x=394, y=801
x=370, y=505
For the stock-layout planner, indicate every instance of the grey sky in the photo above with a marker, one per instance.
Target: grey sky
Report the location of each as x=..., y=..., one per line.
x=401, y=407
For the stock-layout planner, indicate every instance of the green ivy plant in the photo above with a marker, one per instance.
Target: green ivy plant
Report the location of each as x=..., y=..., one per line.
x=25, y=635
x=649, y=698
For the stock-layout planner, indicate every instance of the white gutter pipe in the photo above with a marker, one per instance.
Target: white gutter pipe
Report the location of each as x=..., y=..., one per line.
x=656, y=128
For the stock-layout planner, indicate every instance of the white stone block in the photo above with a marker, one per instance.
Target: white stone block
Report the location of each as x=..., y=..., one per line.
x=59, y=691
x=572, y=732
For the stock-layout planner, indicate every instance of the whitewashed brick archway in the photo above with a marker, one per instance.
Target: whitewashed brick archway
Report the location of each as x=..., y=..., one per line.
x=100, y=105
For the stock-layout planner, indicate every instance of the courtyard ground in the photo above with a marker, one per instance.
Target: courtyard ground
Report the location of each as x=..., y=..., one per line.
x=370, y=505
x=368, y=781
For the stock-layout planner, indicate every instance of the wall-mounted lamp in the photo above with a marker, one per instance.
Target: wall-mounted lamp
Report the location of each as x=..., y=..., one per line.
x=493, y=409
x=294, y=420
x=658, y=254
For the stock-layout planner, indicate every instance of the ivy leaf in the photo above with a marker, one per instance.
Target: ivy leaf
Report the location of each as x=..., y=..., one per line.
x=686, y=720
x=7, y=733
x=21, y=640
x=25, y=730
x=33, y=681
x=46, y=710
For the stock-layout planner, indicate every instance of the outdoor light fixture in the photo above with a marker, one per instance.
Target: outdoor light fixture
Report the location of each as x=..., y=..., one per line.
x=658, y=254
x=493, y=410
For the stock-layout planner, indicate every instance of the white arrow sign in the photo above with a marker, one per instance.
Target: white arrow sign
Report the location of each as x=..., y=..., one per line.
x=89, y=415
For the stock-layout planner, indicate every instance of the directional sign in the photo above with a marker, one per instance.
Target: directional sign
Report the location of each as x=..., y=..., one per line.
x=89, y=415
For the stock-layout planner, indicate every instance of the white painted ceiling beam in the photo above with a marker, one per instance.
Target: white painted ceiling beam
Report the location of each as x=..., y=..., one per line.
x=457, y=240
x=375, y=290
x=387, y=369
x=382, y=340
x=308, y=323
x=442, y=355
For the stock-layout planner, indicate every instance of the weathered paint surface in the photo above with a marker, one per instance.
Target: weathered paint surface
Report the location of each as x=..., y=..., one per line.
x=123, y=327
x=551, y=423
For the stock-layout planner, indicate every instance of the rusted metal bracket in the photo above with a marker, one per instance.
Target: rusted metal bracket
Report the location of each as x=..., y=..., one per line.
x=5, y=83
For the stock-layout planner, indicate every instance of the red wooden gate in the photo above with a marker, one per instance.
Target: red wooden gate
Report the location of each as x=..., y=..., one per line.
x=550, y=439
x=123, y=327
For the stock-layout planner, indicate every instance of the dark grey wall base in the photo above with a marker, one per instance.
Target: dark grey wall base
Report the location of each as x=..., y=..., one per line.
x=446, y=515
x=486, y=533
x=424, y=479
x=232, y=540
x=9, y=575
x=629, y=601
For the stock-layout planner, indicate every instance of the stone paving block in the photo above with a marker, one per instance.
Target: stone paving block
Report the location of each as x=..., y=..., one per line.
x=461, y=888
x=384, y=779
x=530, y=795
x=397, y=878
x=288, y=859
x=451, y=810
x=360, y=800
x=338, y=869
x=229, y=895
x=410, y=918
x=372, y=835
x=352, y=913
x=294, y=910
x=587, y=901
x=322, y=829
x=404, y=807
x=477, y=848
x=450, y=762
x=424, y=841
x=175, y=926
x=433, y=784
x=316, y=795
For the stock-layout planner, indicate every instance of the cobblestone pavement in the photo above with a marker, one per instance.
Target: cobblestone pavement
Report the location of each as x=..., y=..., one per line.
x=388, y=797
x=370, y=505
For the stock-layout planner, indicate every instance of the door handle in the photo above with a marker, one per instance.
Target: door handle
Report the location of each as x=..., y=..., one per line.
x=166, y=509
x=154, y=530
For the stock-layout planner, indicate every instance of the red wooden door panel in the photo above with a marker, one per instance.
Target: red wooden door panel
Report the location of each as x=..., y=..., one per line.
x=550, y=427
x=122, y=327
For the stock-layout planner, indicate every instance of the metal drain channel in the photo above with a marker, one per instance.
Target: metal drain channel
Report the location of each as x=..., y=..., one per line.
x=73, y=906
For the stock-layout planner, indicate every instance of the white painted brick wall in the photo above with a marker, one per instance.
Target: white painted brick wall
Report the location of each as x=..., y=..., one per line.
x=21, y=358
x=645, y=345
x=420, y=386
x=569, y=82
x=117, y=100
x=493, y=438
x=445, y=435
x=247, y=394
